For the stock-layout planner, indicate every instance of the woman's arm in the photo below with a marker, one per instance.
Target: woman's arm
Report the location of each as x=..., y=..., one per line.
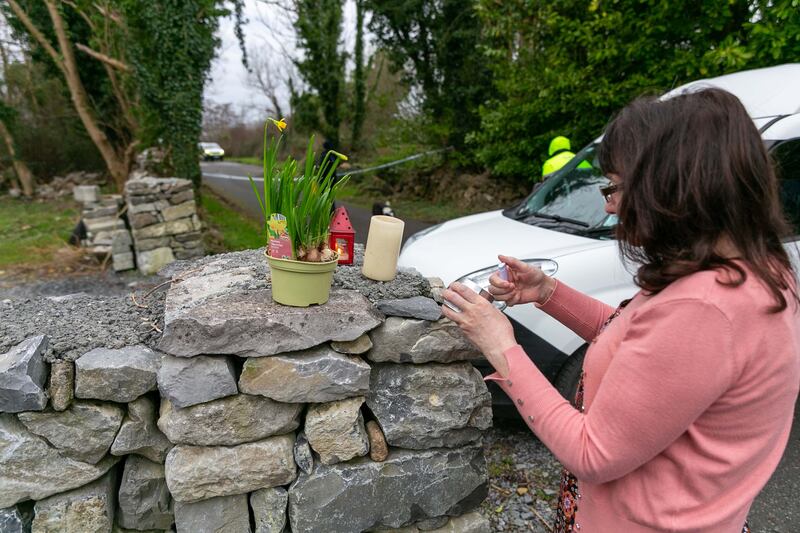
x=676, y=359
x=581, y=313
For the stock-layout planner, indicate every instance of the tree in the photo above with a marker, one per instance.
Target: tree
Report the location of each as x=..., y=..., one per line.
x=359, y=75
x=319, y=28
x=117, y=156
x=146, y=81
x=171, y=45
x=435, y=43
x=7, y=115
x=564, y=68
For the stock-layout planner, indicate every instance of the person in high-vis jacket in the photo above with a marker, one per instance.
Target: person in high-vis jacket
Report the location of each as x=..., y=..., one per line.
x=559, y=155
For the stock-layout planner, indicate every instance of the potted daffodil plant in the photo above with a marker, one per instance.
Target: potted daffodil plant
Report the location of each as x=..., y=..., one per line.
x=297, y=200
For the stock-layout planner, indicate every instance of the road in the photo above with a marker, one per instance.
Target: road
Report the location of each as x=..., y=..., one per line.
x=229, y=180
x=777, y=508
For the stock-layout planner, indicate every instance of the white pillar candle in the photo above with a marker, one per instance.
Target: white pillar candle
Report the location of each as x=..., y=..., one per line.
x=383, y=247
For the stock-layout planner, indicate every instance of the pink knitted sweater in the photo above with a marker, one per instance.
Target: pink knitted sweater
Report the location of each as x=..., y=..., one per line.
x=689, y=396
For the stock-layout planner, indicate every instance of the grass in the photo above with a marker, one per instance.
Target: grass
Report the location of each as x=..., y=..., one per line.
x=413, y=209
x=33, y=232
x=229, y=229
x=250, y=160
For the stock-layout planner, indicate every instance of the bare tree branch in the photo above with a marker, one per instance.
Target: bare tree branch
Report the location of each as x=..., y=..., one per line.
x=110, y=61
x=36, y=34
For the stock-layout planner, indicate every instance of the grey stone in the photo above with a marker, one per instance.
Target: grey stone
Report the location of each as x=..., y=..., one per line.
x=140, y=220
x=97, y=225
x=181, y=197
x=83, y=432
x=200, y=379
x=15, y=520
x=124, y=261
x=142, y=199
x=302, y=453
x=99, y=211
x=224, y=514
x=357, y=347
x=203, y=315
x=145, y=245
x=193, y=236
x=473, y=522
x=229, y=421
x=431, y=405
x=336, y=430
x=437, y=286
x=144, y=501
x=197, y=224
x=431, y=524
x=152, y=261
x=171, y=227
x=116, y=375
x=353, y=496
x=201, y=472
x=121, y=241
x=23, y=374
x=315, y=375
x=175, y=212
x=418, y=307
x=406, y=340
x=31, y=469
x=269, y=509
x=88, y=509
x=86, y=194
x=139, y=433
x=137, y=209
x=189, y=253
x=103, y=238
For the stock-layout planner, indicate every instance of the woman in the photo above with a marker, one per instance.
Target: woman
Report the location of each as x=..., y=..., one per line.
x=689, y=388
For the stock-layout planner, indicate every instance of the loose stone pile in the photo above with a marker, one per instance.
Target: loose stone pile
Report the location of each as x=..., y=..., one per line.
x=245, y=416
x=163, y=217
x=106, y=232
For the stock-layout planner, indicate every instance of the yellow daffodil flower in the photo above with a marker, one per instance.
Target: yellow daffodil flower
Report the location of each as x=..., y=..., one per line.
x=340, y=156
x=280, y=124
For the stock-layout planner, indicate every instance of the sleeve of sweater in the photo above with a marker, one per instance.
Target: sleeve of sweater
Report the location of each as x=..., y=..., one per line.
x=675, y=359
x=581, y=313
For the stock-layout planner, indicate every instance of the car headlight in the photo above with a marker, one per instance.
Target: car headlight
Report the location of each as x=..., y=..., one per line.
x=419, y=234
x=481, y=277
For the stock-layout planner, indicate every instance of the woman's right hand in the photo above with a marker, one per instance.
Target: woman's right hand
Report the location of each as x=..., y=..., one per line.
x=526, y=283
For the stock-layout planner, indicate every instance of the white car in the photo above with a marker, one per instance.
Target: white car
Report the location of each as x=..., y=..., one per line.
x=211, y=151
x=563, y=227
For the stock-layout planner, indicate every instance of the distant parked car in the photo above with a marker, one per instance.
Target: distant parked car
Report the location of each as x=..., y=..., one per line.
x=211, y=151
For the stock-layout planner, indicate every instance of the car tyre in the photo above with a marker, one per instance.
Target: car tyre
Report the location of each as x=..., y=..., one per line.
x=570, y=374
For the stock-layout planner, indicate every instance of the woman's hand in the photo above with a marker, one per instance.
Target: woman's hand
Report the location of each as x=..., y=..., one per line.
x=483, y=324
x=526, y=283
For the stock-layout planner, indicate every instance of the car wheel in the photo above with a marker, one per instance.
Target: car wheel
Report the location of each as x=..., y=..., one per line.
x=570, y=374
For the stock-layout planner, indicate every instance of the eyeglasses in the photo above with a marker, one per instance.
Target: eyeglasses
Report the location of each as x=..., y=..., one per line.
x=608, y=191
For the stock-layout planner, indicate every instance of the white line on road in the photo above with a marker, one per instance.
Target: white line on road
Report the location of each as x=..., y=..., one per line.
x=229, y=177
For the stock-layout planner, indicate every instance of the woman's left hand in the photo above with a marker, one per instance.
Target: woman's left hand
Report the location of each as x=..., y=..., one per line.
x=483, y=324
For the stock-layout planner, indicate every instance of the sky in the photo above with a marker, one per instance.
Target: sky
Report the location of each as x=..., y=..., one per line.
x=268, y=34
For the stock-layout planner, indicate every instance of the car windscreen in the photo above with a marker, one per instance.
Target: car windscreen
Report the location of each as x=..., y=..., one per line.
x=571, y=196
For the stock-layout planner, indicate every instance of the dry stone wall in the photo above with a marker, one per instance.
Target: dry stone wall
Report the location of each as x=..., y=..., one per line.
x=363, y=414
x=163, y=217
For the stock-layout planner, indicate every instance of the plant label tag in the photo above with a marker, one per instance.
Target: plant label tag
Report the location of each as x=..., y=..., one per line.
x=280, y=245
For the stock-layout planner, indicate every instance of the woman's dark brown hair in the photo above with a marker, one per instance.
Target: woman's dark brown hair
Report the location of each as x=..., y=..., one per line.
x=694, y=172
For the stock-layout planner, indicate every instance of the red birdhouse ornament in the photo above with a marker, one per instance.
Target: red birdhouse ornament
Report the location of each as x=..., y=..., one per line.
x=343, y=236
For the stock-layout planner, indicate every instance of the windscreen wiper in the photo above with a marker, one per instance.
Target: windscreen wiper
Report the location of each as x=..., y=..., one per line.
x=558, y=218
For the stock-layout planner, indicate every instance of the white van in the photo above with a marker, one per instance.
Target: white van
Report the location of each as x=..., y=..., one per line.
x=563, y=227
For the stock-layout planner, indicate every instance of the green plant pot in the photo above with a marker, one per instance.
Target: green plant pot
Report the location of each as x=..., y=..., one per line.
x=299, y=283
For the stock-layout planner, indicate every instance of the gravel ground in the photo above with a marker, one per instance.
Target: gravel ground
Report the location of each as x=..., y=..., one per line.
x=523, y=479
x=80, y=313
